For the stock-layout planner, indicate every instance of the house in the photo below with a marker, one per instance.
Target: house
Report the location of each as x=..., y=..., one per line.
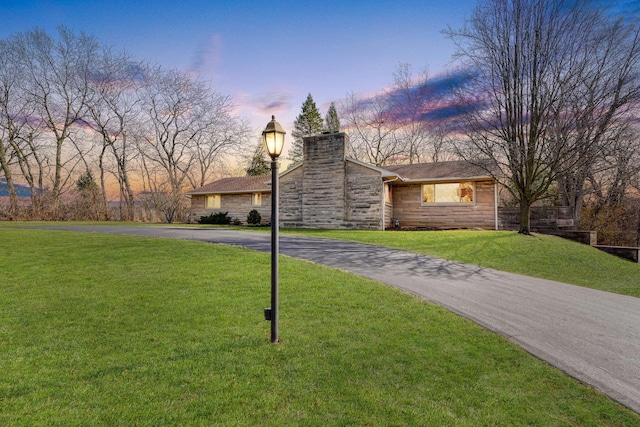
x=328, y=189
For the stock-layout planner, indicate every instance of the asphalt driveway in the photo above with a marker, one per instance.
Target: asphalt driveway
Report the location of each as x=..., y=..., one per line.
x=592, y=335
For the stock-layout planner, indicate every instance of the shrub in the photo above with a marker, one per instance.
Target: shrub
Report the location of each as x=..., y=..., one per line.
x=216, y=218
x=254, y=217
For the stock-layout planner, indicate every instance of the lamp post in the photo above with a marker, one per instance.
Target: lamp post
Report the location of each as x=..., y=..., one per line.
x=273, y=136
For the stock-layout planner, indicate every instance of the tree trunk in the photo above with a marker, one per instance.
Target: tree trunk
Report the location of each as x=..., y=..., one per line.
x=104, y=203
x=13, y=198
x=525, y=217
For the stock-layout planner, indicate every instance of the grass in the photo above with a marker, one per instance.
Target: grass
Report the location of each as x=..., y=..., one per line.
x=539, y=255
x=543, y=256
x=118, y=330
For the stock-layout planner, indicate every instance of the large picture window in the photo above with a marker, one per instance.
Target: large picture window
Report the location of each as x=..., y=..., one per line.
x=454, y=192
x=213, y=201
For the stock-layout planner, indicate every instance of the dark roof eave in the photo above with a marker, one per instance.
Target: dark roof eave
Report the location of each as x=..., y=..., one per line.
x=256, y=190
x=449, y=179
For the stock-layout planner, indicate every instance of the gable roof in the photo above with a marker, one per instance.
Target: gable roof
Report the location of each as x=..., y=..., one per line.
x=385, y=172
x=417, y=172
x=439, y=171
x=239, y=184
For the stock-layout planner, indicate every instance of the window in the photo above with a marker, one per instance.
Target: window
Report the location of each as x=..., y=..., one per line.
x=256, y=199
x=454, y=192
x=213, y=201
x=388, y=195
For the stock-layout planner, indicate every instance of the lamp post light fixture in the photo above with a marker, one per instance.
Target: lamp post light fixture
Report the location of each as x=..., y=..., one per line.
x=273, y=136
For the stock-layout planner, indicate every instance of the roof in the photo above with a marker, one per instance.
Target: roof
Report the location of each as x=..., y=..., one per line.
x=240, y=184
x=385, y=172
x=439, y=171
x=417, y=172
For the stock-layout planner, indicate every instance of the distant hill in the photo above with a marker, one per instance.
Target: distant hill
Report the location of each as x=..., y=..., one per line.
x=21, y=190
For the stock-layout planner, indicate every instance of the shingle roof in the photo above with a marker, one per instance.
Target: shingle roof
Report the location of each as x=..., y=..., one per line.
x=240, y=184
x=416, y=172
x=438, y=171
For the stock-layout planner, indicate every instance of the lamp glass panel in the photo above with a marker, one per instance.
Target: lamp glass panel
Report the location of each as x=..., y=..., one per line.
x=274, y=142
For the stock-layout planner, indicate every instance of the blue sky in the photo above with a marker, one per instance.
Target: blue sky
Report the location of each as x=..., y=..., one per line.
x=267, y=55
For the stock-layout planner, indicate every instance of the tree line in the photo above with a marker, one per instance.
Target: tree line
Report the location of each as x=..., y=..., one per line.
x=75, y=114
x=547, y=90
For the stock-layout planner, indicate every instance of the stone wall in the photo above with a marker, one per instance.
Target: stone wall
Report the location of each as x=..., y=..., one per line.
x=236, y=205
x=364, y=197
x=328, y=191
x=630, y=254
x=291, y=198
x=324, y=176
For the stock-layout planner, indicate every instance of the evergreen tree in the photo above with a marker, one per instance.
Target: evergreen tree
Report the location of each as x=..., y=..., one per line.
x=87, y=204
x=308, y=122
x=331, y=120
x=259, y=164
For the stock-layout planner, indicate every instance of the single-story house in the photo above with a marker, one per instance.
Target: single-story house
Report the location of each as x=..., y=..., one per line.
x=328, y=189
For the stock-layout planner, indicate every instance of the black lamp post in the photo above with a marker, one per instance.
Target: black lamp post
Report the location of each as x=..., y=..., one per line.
x=273, y=136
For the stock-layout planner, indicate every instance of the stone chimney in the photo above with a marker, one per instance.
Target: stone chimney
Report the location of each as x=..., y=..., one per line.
x=324, y=180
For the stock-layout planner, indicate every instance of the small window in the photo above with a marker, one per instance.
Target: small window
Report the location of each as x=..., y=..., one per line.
x=388, y=195
x=455, y=192
x=256, y=199
x=213, y=201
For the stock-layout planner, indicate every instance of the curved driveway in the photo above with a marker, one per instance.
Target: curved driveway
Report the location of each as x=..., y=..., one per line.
x=592, y=335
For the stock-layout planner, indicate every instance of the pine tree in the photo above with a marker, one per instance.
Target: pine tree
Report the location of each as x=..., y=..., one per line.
x=331, y=120
x=259, y=163
x=308, y=122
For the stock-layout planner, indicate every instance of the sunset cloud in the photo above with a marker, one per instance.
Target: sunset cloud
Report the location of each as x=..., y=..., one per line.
x=207, y=56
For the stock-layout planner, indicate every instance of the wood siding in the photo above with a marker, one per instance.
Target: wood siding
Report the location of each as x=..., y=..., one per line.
x=408, y=209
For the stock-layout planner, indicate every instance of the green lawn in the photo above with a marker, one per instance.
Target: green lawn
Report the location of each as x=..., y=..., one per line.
x=117, y=330
x=548, y=257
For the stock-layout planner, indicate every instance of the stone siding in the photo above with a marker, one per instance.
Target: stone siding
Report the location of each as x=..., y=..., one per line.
x=291, y=198
x=364, y=197
x=324, y=175
x=411, y=213
x=329, y=192
x=236, y=205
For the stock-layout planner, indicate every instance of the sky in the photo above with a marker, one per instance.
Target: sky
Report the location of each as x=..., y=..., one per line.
x=268, y=55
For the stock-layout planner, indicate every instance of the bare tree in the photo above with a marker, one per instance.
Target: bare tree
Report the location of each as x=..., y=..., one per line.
x=171, y=115
x=405, y=123
x=188, y=129
x=602, y=101
x=113, y=115
x=222, y=135
x=70, y=107
x=408, y=100
x=20, y=127
x=58, y=73
x=9, y=129
x=372, y=130
x=527, y=58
